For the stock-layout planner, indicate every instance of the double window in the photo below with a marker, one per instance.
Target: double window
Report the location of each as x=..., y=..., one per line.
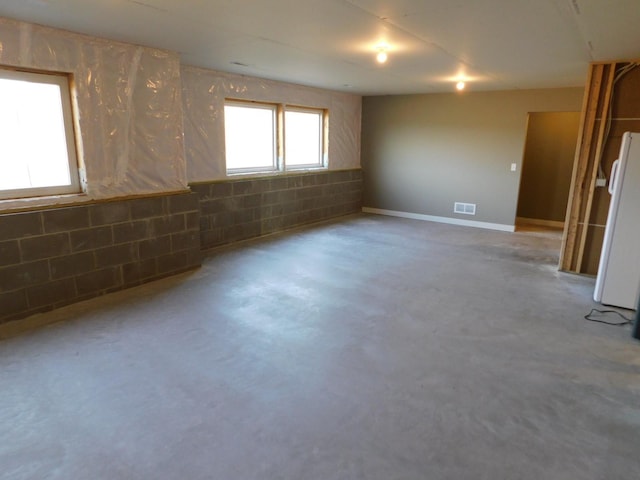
x=263, y=137
x=37, y=147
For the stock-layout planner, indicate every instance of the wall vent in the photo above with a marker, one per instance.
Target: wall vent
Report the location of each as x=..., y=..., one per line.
x=464, y=208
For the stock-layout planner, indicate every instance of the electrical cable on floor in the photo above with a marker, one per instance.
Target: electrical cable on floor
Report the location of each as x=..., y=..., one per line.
x=589, y=316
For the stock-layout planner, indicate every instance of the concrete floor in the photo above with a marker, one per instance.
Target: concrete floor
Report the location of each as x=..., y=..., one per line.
x=370, y=348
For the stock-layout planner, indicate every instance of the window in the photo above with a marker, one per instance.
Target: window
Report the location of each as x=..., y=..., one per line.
x=303, y=137
x=37, y=148
x=250, y=137
x=261, y=137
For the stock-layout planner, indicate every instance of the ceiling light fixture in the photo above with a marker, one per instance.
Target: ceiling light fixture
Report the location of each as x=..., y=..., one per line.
x=460, y=85
x=382, y=55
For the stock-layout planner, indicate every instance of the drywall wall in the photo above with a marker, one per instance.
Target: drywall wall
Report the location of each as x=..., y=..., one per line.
x=422, y=153
x=204, y=92
x=548, y=164
x=128, y=107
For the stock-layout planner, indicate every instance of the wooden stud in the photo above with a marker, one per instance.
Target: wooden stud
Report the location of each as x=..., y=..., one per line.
x=611, y=70
x=583, y=152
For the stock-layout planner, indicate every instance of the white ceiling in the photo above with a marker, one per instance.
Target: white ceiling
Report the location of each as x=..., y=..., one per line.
x=494, y=44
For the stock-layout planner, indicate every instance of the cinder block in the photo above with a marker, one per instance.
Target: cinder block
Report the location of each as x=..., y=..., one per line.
x=287, y=196
x=222, y=220
x=90, y=238
x=340, y=176
x=94, y=282
x=142, y=208
x=12, y=303
x=322, y=178
x=310, y=203
x=249, y=201
x=272, y=225
x=205, y=223
x=211, y=207
x=187, y=202
x=172, y=262
x=23, y=275
x=194, y=258
x=19, y=225
x=243, y=187
x=109, y=212
x=309, y=180
x=9, y=253
x=192, y=220
x=270, y=198
x=65, y=219
x=116, y=255
x=243, y=216
x=130, y=231
x=202, y=190
x=295, y=182
x=154, y=247
x=185, y=241
x=280, y=183
x=166, y=225
x=221, y=189
x=51, y=293
x=70, y=265
x=137, y=272
x=44, y=246
x=231, y=204
x=211, y=238
x=273, y=211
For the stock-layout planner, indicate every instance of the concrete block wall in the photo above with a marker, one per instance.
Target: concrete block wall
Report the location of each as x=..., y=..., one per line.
x=243, y=208
x=53, y=257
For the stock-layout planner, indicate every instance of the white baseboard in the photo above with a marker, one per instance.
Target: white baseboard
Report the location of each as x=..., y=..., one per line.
x=540, y=222
x=432, y=218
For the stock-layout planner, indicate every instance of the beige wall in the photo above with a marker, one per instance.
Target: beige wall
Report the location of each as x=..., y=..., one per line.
x=548, y=164
x=422, y=153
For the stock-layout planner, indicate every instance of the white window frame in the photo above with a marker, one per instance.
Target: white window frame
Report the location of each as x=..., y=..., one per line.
x=279, y=154
x=62, y=81
x=274, y=154
x=320, y=163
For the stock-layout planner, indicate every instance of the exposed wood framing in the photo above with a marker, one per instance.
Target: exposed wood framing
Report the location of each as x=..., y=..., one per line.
x=590, y=143
x=603, y=114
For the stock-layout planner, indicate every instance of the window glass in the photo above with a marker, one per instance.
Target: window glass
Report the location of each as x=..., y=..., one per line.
x=250, y=137
x=303, y=138
x=37, y=149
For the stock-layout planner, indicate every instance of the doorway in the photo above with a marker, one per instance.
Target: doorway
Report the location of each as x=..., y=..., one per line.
x=546, y=170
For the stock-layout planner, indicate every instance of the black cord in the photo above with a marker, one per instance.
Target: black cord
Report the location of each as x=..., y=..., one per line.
x=627, y=321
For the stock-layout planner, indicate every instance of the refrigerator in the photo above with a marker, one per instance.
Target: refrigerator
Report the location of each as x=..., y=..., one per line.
x=618, y=280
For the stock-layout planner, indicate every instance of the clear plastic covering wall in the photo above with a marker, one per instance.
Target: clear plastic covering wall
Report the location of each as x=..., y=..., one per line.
x=204, y=92
x=128, y=106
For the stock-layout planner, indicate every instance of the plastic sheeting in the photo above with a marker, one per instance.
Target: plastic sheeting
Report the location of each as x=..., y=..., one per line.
x=204, y=92
x=128, y=106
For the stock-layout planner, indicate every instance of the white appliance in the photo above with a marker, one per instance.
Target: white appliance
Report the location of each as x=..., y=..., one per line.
x=618, y=281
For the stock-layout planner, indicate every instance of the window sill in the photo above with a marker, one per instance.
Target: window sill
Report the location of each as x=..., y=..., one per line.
x=277, y=173
x=32, y=203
